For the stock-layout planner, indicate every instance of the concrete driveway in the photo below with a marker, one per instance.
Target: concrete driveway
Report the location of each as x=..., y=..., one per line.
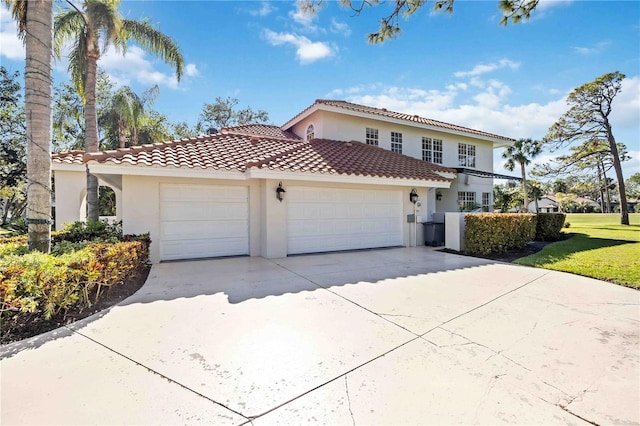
x=398, y=336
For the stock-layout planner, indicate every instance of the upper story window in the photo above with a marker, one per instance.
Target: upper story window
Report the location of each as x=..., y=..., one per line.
x=371, y=137
x=396, y=142
x=311, y=132
x=432, y=150
x=466, y=155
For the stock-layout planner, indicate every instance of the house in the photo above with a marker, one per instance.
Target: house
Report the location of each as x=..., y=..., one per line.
x=549, y=204
x=337, y=176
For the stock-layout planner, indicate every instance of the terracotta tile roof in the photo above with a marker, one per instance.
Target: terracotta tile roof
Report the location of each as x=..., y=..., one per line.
x=228, y=151
x=383, y=112
x=261, y=130
x=353, y=159
x=69, y=157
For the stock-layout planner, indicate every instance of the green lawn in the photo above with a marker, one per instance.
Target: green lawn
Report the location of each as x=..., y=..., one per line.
x=599, y=248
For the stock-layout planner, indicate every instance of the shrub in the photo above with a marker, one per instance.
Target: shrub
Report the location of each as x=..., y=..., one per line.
x=100, y=230
x=498, y=232
x=549, y=226
x=73, y=275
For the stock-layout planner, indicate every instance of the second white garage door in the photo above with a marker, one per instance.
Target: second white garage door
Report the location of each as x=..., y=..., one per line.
x=199, y=221
x=329, y=219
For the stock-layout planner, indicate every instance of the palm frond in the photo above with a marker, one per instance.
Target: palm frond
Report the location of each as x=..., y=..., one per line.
x=154, y=42
x=67, y=25
x=19, y=13
x=106, y=21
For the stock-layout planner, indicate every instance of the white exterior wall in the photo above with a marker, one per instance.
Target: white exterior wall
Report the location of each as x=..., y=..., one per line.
x=330, y=125
x=267, y=216
x=71, y=188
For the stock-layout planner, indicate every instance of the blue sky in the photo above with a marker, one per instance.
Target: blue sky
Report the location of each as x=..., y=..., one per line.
x=461, y=68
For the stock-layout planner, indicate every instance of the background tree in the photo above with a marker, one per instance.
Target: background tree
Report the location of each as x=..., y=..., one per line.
x=506, y=197
x=512, y=11
x=536, y=190
x=126, y=111
x=588, y=119
x=633, y=186
x=34, y=19
x=522, y=152
x=13, y=147
x=223, y=113
x=94, y=23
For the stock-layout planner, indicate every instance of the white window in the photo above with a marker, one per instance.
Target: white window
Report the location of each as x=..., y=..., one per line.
x=466, y=155
x=486, y=201
x=371, y=137
x=396, y=142
x=311, y=132
x=432, y=150
x=467, y=201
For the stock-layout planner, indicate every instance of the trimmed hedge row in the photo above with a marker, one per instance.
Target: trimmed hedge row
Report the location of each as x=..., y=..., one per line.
x=48, y=284
x=549, y=226
x=498, y=232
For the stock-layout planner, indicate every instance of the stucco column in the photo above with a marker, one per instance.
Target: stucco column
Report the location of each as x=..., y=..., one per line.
x=274, y=221
x=70, y=193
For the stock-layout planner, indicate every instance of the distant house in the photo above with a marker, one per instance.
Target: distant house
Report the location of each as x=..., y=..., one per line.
x=549, y=204
x=336, y=176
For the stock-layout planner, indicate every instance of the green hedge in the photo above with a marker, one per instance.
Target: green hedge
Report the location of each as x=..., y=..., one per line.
x=497, y=232
x=549, y=226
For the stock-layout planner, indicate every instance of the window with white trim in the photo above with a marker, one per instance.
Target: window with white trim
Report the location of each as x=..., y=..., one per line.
x=396, y=142
x=466, y=155
x=467, y=201
x=371, y=136
x=311, y=132
x=432, y=150
x=486, y=201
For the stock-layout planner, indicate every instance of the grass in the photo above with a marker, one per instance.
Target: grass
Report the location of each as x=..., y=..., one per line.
x=599, y=247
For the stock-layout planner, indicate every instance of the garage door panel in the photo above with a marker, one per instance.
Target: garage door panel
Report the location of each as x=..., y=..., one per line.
x=199, y=221
x=194, y=249
x=176, y=211
x=328, y=219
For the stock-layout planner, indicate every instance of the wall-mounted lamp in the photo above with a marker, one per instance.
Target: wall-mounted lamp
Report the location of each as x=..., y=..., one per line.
x=438, y=195
x=413, y=196
x=280, y=192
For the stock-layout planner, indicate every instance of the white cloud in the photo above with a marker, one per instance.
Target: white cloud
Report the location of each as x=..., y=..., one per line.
x=190, y=70
x=304, y=18
x=307, y=51
x=593, y=49
x=134, y=66
x=485, y=68
x=626, y=107
x=340, y=28
x=548, y=4
x=264, y=10
x=12, y=46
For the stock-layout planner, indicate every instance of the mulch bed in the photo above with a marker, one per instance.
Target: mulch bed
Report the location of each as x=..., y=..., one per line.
x=24, y=326
x=532, y=247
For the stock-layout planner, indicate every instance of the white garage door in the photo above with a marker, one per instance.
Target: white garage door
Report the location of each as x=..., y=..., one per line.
x=203, y=221
x=329, y=219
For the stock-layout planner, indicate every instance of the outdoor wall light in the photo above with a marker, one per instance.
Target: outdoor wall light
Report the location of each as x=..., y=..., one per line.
x=413, y=196
x=438, y=195
x=280, y=192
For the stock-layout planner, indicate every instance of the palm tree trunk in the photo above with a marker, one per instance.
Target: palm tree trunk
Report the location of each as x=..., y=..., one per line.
x=122, y=138
x=524, y=189
x=624, y=209
x=134, y=136
x=91, y=128
x=38, y=87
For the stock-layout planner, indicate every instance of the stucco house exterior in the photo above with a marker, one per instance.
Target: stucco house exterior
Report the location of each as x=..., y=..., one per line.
x=337, y=176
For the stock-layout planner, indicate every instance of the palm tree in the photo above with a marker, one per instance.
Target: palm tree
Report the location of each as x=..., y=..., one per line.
x=522, y=152
x=35, y=19
x=91, y=29
x=127, y=108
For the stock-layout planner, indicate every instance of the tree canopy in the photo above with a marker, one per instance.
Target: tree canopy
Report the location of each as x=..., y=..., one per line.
x=512, y=11
x=587, y=119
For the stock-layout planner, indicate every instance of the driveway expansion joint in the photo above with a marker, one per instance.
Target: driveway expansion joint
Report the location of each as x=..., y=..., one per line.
x=151, y=370
x=346, y=388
